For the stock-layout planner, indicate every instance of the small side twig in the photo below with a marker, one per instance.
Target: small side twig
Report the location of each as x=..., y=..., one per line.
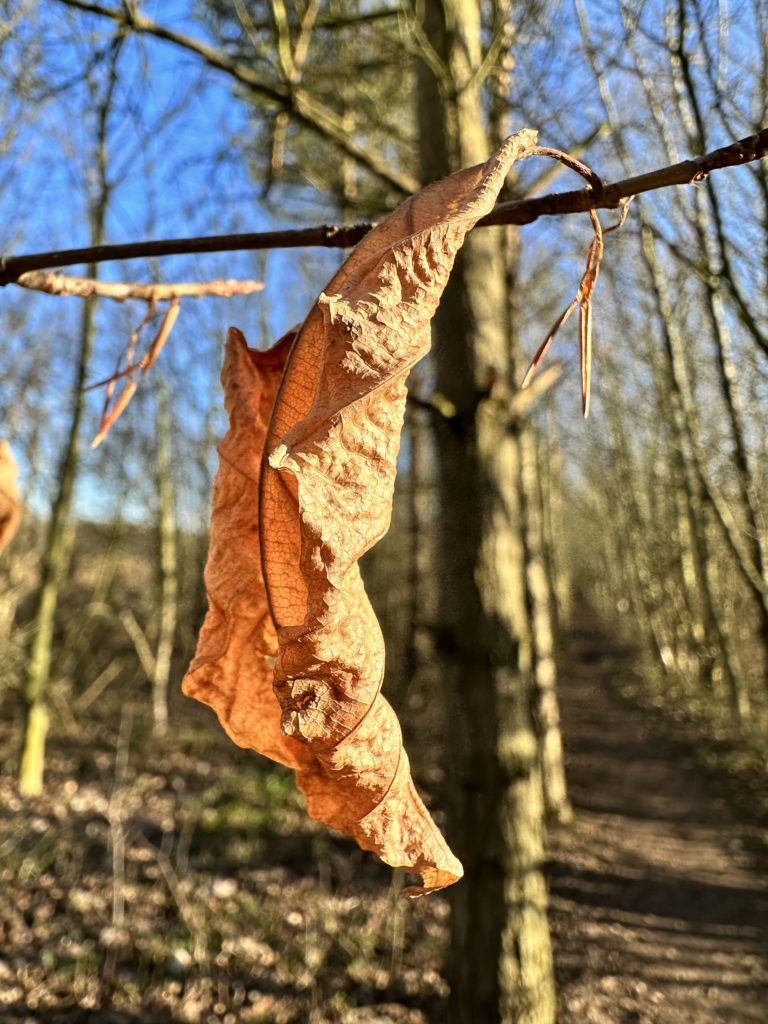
x=587, y=284
x=110, y=416
x=98, y=686
x=85, y=287
x=139, y=640
x=522, y=402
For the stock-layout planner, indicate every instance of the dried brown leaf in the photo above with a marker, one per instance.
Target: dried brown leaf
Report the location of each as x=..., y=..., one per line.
x=326, y=480
x=10, y=503
x=234, y=662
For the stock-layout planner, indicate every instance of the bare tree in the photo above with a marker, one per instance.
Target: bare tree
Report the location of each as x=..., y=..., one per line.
x=58, y=543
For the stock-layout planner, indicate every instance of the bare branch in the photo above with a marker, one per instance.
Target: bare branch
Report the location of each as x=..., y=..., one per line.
x=294, y=100
x=64, y=284
x=523, y=211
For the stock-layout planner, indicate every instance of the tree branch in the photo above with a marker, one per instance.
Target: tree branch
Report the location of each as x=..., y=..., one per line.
x=64, y=284
x=523, y=211
x=289, y=97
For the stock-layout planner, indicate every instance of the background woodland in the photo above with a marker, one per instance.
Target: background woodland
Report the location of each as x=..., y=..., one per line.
x=189, y=882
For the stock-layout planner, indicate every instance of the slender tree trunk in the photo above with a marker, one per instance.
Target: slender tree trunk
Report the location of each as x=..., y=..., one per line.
x=500, y=966
x=539, y=639
x=551, y=502
x=58, y=541
x=421, y=594
x=56, y=557
x=168, y=565
x=544, y=666
x=713, y=246
x=685, y=444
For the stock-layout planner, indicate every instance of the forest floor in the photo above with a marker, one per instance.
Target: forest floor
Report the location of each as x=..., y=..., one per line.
x=181, y=881
x=659, y=913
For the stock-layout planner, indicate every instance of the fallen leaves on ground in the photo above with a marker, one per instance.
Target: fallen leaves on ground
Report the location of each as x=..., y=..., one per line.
x=236, y=906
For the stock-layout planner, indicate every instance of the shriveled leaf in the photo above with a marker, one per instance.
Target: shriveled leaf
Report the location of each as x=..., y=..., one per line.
x=233, y=666
x=10, y=503
x=326, y=483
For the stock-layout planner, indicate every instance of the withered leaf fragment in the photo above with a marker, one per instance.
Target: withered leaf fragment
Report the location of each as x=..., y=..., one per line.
x=234, y=662
x=10, y=503
x=326, y=478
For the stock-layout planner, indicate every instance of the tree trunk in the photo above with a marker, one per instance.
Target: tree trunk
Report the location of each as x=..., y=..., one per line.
x=500, y=966
x=420, y=594
x=58, y=541
x=56, y=556
x=551, y=502
x=539, y=659
x=686, y=445
x=543, y=664
x=708, y=225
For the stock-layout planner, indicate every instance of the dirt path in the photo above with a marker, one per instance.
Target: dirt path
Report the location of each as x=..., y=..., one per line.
x=656, y=913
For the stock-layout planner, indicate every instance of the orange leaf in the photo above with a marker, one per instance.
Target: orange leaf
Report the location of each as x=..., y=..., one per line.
x=233, y=666
x=10, y=505
x=326, y=476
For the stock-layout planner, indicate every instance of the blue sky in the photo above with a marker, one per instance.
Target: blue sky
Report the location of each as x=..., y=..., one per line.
x=190, y=176
x=185, y=181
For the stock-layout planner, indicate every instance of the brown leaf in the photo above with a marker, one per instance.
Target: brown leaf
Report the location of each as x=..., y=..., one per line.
x=326, y=482
x=234, y=662
x=10, y=504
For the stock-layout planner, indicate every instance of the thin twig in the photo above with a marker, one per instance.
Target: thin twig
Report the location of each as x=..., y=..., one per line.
x=98, y=686
x=84, y=287
x=523, y=211
x=595, y=181
x=588, y=281
x=305, y=109
x=110, y=417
